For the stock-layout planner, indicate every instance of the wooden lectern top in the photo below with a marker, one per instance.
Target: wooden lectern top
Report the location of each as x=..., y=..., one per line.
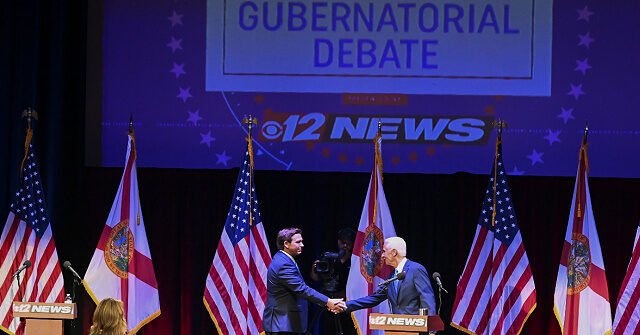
x=44, y=310
x=405, y=324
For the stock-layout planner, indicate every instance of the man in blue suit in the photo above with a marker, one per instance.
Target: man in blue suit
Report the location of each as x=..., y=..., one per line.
x=286, y=309
x=405, y=296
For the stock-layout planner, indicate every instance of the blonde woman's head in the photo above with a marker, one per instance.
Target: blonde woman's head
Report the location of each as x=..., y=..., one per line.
x=108, y=319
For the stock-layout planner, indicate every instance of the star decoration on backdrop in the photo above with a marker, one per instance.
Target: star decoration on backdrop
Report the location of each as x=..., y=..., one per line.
x=175, y=19
x=310, y=145
x=431, y=151
x=576, y=91
x=585, y=40
x=184, y=94
x=223, y=158
x=553, y=136
x=583, y=14
x=326, y=152
x=359, y=160
x=175, y=44
x=413, y=156
x=206, y=139
x=194, y=117
x=343, y=158
x=490, y=109
x=516, y=172
x=535, y=157
x=178, y=69
x=582, y=66
x=566, y=114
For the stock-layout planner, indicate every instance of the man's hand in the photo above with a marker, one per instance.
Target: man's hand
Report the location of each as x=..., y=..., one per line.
x=336, y=305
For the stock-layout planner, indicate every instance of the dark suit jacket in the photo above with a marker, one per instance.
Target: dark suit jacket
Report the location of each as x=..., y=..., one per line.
x=286, y=308
x=414, y=292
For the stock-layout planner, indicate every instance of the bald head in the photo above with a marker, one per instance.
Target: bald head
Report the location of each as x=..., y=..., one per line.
x=395, y=250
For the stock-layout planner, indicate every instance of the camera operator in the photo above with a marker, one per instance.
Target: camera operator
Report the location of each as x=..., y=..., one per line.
x=333, y=270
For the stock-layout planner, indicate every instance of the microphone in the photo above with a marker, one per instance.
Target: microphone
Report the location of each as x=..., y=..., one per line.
x=67, y=265
x=436, y=277
x=26, y=264
x=399, y=276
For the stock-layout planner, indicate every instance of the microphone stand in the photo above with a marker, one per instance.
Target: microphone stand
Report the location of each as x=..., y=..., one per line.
x=73, y=299
x=439, y=298
x=19, y=286
x=22, y=320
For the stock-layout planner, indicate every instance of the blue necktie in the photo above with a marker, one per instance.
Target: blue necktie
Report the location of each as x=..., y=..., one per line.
x=394, y=284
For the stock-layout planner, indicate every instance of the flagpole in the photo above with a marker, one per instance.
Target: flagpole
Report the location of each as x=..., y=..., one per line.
x=583, y=154
x=250, y=121
x=29, y=114
x=500, y=124
x=377, y=167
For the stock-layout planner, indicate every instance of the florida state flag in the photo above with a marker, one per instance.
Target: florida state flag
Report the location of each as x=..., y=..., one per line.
x=581, y=299
x=368, y=269
x=121, y=266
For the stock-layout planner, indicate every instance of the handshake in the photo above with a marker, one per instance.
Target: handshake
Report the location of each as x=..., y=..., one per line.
x=336, y=305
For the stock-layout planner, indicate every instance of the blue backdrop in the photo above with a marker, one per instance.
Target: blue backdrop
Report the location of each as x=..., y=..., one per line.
x=546, y=81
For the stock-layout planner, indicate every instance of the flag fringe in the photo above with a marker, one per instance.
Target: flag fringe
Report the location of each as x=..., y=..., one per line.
x=206, y=305
x=140, y=325
x=555, y=311
x=93, y=296
x=144, y=322
x=527, y=318
x=355, y=320
x=462, y=329
x=11, y=333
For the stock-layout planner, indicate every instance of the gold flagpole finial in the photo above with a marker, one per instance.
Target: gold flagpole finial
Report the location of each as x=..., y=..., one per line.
x=501, y=125
x=29, y=113
x=131, y=124
x=250, y=121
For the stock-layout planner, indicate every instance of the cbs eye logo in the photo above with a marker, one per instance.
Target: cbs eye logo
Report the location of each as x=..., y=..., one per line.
x=271, y=130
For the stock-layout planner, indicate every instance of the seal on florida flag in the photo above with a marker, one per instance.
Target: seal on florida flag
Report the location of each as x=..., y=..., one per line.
x=370, y=262
x=579, y=268
x=119, y=249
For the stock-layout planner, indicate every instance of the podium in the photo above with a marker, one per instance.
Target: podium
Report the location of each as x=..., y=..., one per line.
x=44, y=317
x=399, y=324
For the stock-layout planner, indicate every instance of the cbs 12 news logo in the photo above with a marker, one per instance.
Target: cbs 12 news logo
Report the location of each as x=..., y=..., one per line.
x=284, y=127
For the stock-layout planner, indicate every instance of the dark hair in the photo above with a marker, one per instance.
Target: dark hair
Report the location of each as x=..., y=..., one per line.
x=347, y=234
x=285, y=235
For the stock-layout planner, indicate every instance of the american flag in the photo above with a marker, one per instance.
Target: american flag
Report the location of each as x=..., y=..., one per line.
x=628, y=311
x=27, y=236
x=496, y=293
x=236, y=291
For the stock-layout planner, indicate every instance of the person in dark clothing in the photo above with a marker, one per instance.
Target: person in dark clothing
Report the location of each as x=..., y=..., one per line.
x=334, y=283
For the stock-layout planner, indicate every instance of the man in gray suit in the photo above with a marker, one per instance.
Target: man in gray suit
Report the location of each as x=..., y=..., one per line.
x=405, y=296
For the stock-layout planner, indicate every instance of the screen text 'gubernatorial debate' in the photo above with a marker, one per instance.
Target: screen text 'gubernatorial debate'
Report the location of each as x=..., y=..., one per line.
x=432, y=47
